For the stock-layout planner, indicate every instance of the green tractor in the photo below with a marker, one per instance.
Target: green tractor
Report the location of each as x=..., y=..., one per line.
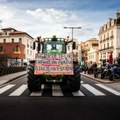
x=52, y=62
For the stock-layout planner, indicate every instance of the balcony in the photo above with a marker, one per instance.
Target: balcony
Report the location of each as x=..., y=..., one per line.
x=111, y=37
x=111, y=47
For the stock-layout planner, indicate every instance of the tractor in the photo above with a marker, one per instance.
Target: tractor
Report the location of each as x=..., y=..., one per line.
x=52, y=62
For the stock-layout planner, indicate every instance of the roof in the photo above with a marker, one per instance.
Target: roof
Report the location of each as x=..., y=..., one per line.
x=9, y=28
x=15, y=32
x=19, y=32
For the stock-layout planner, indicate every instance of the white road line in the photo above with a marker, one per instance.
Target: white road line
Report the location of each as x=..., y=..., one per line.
x=81, y=82
x=3, y=89
x=93, y=90
x=56, y=90
x=39, y=93
x=78, y=93
x=109, y=89
x=19, y=91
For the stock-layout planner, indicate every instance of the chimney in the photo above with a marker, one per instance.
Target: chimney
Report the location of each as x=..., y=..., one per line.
x=118, y=14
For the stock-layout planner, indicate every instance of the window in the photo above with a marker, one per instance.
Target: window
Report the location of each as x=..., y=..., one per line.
x=27, y=51
x=12, y=40
x=20, y=40
x=17, y=48
x=94, y=44
x=104, y=46
x=2, y=50
x=68, y=47
x=108, y=45
x=76, y=47
x=4, y=40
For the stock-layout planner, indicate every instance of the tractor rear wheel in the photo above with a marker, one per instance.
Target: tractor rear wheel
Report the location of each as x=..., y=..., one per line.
x=34, y=81
x=73, y=81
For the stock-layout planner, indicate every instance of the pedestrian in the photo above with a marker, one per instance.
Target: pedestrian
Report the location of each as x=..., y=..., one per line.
x=111, y=58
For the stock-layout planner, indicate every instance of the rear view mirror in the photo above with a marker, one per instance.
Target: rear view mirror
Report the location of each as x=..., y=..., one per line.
x=74, y=45
x=39, y=47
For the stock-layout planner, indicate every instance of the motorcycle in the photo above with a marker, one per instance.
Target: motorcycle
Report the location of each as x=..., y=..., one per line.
x=106, y=71
x=115, y=73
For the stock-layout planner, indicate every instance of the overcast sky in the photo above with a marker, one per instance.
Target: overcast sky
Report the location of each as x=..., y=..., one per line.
x=48, y=17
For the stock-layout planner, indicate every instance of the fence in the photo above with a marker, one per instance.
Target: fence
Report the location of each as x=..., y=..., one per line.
x=8, y=70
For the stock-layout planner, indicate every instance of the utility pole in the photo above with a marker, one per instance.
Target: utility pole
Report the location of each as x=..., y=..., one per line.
x=72, y=28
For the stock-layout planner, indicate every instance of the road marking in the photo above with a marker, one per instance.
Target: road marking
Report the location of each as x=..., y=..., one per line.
x=109, y=89
x=93, y=90
x=81, y=82
x=3, y=89
x=78, y=93
x=19, y=91
x=56, y=90
x=39, y=93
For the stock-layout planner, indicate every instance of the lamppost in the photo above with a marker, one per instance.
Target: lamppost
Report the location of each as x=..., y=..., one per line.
x=72, y=28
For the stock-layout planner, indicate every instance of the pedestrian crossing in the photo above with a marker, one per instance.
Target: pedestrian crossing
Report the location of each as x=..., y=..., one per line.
x=57, y=90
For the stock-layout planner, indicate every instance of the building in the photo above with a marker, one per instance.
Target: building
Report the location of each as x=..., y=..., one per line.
x=109, y=38
x=17, y=44
x=76, y=51
x=89, y=50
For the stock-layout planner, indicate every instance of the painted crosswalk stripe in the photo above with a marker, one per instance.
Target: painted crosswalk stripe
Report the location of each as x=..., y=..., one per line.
x=56, y=90
x=93, y=90
x=19, y=91
x=39, y=93
x=3, y=89
x=109, y=89
x=81, y=82
x=78, y=93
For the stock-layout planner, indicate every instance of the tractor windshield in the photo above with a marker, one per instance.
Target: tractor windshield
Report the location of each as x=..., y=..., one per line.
x=54, y=46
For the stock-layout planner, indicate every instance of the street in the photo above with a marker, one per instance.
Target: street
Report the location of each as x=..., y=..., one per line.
x=18, y=87
x=91, y=102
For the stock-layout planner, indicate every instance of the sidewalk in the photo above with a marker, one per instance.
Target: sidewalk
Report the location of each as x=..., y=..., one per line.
x=111, y=84
x=7, y=78
x=91, y=76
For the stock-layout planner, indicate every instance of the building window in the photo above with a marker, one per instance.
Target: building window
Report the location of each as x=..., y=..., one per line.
x=104, y=46
x=17, y=48
x=94, y=44
x=108, y=45
x=27, y=51
x=2, y=50
x=12, y=40
x=20, y=40
x=4, y=40
x=76, y=47
x=68, y=47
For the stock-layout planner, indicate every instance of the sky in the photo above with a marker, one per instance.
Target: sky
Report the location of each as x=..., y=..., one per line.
x=46, y=18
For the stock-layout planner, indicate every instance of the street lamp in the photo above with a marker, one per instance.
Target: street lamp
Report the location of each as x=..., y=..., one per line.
x=72, y=28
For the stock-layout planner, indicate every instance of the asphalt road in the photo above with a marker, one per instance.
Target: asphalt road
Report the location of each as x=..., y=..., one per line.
x=18, y=87
x=59, y=108
x=66, y=107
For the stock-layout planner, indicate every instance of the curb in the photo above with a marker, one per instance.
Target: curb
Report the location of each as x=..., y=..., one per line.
x=13, y=79
x=96, y=79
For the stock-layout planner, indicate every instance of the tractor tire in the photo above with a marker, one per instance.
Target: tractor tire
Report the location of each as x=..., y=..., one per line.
x=73, y=81
x=34, y=81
